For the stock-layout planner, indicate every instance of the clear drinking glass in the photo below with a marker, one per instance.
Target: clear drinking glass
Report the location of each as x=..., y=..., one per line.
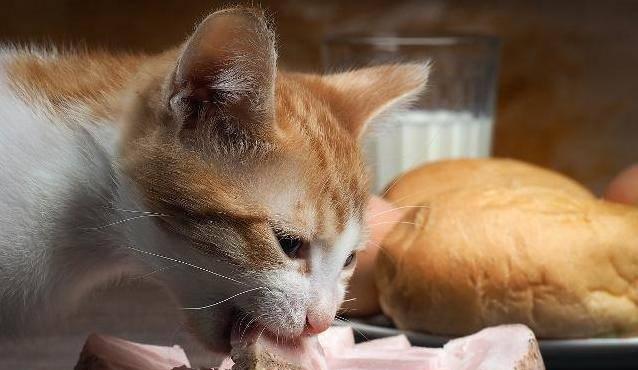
x=455, y=116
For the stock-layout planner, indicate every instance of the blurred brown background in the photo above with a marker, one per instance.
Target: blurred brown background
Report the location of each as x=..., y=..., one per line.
x=568, y=82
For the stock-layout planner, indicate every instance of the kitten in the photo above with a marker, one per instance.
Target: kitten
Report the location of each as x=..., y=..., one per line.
x=239, y=187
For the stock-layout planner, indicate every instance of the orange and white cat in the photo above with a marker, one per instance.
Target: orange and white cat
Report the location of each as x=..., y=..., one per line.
x=240, y=186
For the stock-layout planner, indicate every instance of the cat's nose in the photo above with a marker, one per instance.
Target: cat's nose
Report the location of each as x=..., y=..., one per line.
x=316, y=324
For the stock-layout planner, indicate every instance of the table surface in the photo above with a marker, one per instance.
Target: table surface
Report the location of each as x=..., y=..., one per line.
x=137, y=312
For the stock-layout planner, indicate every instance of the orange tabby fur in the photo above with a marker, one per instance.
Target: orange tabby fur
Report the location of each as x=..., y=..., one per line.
x=234, y=155
x=310, y=111
x=60, y=82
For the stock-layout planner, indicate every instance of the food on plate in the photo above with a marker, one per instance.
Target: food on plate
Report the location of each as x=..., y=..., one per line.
x=102, y=352
x=624, y=187
x=510, y=347
x=533, y=250
x=362, y=298
x=500, y=348
x=497, y=348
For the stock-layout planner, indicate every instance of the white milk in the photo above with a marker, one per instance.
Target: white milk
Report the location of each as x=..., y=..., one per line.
x=408, y=139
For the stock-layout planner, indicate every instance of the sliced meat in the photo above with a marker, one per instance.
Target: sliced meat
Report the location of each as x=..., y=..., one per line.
x=227, y=364
x=504, y=347
x=389, y=343
x=336, y=340
x=412, y=353
x=102, y=352
x=383, y=364
x=393, y=355
x=509, y=347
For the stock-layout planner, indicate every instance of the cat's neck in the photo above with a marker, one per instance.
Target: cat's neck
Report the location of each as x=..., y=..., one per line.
x=77, y=87
x=69, y=214
x=74, y=237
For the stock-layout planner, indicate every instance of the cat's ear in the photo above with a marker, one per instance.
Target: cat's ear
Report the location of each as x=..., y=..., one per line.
x=225, y=75
x=367, y=93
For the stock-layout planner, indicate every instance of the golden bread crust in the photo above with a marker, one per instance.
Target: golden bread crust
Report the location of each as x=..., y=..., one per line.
x=561, y=262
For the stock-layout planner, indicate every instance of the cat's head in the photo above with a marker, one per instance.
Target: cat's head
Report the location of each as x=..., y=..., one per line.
x=259, y=174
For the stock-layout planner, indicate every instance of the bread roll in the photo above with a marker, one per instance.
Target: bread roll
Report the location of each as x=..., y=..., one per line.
x=551, y=257
x=433, y=178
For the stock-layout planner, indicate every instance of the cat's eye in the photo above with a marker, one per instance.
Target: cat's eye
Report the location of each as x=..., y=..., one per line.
x=351, y=258
x=291, y=245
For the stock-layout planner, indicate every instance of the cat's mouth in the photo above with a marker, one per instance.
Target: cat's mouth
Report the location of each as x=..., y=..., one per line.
x=259, y=343
x=249, y=330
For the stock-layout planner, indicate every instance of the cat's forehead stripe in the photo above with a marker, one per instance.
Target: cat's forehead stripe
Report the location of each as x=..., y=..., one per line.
x=333, y=174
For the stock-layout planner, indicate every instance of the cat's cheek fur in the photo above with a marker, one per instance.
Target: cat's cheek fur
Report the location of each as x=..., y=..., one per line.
x=199, y=284
x=286, y=300
x=291, y=296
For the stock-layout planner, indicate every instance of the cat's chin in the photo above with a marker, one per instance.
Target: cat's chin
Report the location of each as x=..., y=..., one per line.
x=212, y=329
x=221, y=330
x=259, y=344
x=246, y=330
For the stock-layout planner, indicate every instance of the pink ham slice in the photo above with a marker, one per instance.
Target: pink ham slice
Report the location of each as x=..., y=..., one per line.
x=389, y=343
x=498, y=348
x=103, y=352
x=388, y=353
x=336, y=341
x=509, y=347
x=506, y=347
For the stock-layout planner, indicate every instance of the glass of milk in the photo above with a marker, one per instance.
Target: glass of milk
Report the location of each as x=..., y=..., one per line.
x=455, y=116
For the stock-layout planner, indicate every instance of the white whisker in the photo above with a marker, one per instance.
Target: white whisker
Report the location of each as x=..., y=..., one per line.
x=187, y=264
x=223, y=300
x=382, y=249
x=241, y=321
x=411, y=195
x=124, y=220
x=399, y=222
x=262, y=332
x=136, y=211
x=253, y=320
x=394, y=209
x=142, y=277
x=350, y=323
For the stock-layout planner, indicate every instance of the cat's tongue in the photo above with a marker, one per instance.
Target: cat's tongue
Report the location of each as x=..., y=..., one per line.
x=258, y=350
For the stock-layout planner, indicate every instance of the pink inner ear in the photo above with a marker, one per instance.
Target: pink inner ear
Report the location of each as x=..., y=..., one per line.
x=226, y=40
x=231, y=51
x=227, y=69
x=366, y=93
